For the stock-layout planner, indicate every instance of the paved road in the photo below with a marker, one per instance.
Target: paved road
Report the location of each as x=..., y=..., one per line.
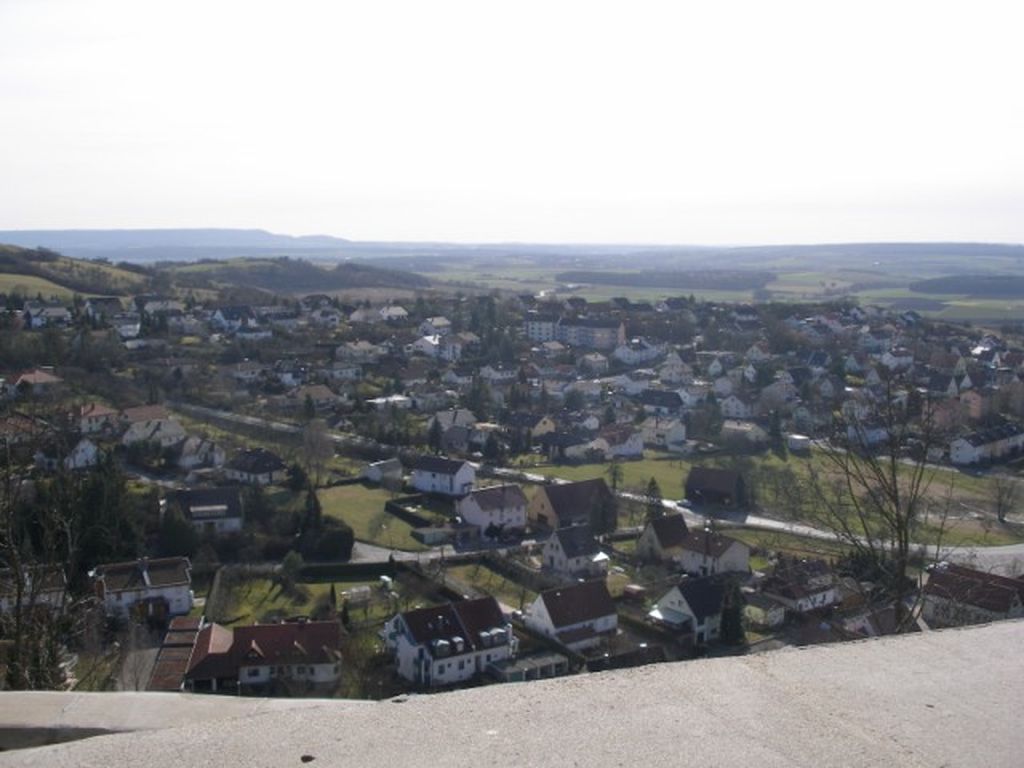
x=1008, y=558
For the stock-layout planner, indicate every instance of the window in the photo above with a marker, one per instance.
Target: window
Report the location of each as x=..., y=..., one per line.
x=252, y=672
x=462, y=665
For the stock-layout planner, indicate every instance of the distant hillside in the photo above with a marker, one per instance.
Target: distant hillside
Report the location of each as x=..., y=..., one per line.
x=707, y=279
x=981, y=286
x=287, y=275
x=41, y=268
x=72, y=240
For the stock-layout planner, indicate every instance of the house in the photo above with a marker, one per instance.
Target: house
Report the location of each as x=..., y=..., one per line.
x=574, y=552
x=388, y=470
x=144, y=589
x=705, y=552
x=141, y=413
x=735, y=407
x=37, y=314
x=622, y=441
x=448, y=644
x=436, y=326
x=661, y=402
x=955, y=595
x=256, y=466
x=709, y=485
x=761, y=611
x=163, y=432
x=38, y=382
x=456, y=417
x=662, y=432
x=579, y=616
x=429, y=346
x=590, y=332
x=990, y=444
x=693, y=606
x=662, y=538
x=392, y=313
x=196, y=452
x=41, y=586
x=95, y=418
x=83, y=455
x=743, y=433
x=210, y=510
x=637, y=352
x=593, y=362
x=448, y=477
x=586, y=502
x=288, y=658
x=101, y=308
x=802, y=586
x=497, y=508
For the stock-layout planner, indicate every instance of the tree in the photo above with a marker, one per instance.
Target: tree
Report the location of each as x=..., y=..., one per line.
x=731, y=631
x=317, y=448
x=435, y=435
x=574, y=400
x=177, y=536
x=615, y=473
x=1004, y=495
x=655, y=508
x=297, y=477
x=875, y=501
x=291, y=566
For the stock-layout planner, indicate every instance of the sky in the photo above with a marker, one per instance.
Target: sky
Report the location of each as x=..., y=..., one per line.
x=719, y=122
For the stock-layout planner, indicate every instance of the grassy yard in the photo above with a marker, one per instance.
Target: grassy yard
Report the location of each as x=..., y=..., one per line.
x=263, y=599
x=493, y=583
x=362, y=507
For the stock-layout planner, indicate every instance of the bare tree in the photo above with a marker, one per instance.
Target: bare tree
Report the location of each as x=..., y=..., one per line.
x=874, y=490
x=317, y=449
x=1004, y=495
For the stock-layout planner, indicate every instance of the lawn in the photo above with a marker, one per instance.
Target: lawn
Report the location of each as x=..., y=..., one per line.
x=362, y=507
x=248, y=600
x=493, y=583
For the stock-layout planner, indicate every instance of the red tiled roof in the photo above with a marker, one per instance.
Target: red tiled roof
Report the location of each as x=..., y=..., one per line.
x=220, y=651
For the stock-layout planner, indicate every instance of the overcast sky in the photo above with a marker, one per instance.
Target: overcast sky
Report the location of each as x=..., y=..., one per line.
x=673, y=122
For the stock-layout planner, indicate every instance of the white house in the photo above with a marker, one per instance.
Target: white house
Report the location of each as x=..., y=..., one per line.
x=662, y=432
x=987, y=445
x=427, y=345
x=255, y=467
x=579, y=616
x=165, y=432
x=500, y=506
x=574, y=552
x=692, y=606
x=84, y=454
x=735, y=407
x=211, y=510
x=41, y=586
x=637, y=352
x=96, y=418
x=803, y=586
x=303, y=655
x=704, y=553
x=449, y=477
x=151, y=589
x=448, y=644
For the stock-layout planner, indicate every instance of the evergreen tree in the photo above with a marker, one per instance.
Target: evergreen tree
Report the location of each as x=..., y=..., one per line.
x=653, y=496
x=732, y=632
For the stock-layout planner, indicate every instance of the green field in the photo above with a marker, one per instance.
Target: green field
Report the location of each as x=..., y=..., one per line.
x=30, y=285
x=362, y=507
x=483, y=578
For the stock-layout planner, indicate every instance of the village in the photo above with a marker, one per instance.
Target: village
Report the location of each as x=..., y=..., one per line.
x=321, y=496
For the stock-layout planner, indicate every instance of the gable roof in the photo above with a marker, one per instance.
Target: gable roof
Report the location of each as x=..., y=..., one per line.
x=220, y=651
x=585, y=601
x=569, y=500
x=201, y=504
x=669, y=530
x=704, y=596
x=499, y=497
x=438, y=465
x=576, y=541
x=707, y=542
x=714, y=479
x=465, y=619
x=256, y=461
x=144, y=573
x=988, y=591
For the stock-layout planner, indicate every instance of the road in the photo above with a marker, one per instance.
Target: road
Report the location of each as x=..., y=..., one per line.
x=1006, y=558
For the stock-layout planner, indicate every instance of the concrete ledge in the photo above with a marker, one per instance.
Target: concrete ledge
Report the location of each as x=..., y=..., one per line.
x=946, y=698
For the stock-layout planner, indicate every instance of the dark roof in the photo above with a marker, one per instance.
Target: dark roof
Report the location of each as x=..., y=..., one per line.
x=711, y=478
x=139, y=574
x=256, y=461
x=661, y=398
x=438, y=464
x=209, y=503
x=36, y=580
x=977, y=588
x=585, y=601
x=499, y=497
x=577, y=541
x=704, y=541
x=572, y=501
x=670, y=530
x=220, y=651
x=465, y=620
x=704, y=596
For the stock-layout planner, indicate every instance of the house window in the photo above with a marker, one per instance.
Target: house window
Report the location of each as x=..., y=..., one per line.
x=462, y=665
x=252, y=672
x=440, y=669
x=300, y=670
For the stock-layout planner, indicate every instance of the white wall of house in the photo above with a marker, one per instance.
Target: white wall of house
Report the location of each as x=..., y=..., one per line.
x=735, y=558
x=536, y=617
x=179, y=599
x=451, y=485
x=510, y=516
